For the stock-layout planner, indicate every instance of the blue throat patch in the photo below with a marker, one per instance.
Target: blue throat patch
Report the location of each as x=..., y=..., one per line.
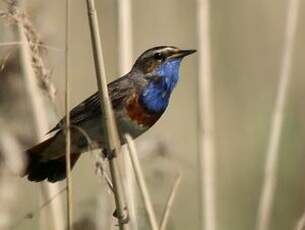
x=155, y=96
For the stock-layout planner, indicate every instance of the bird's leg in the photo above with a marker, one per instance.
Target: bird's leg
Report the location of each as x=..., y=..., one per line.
x=123, y=219
x=109, y=154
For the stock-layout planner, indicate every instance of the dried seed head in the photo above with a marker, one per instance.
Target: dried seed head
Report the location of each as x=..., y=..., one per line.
x=15, y=16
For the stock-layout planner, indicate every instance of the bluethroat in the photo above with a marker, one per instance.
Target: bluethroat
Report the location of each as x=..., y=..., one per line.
x=139, y=99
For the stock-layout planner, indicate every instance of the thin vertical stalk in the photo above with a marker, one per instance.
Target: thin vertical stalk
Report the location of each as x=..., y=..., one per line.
x=107, y=118
x=39, y=114
x=141, y=182
x=206, y=120
x=125, y=37
x=12, y=163
x=40, y=123
x=67, y=127
x=169, y=203
x=125, y=61
x=131, y=192
x=270, y=178
x=39, y=45
x=301, y=223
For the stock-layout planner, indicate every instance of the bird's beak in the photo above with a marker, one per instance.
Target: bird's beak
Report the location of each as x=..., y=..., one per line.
x=183, y=53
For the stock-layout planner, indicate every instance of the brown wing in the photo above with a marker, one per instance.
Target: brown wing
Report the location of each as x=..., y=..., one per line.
x=119, y=91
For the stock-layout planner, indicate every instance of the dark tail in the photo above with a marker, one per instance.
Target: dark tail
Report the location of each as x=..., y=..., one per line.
x=52, y=170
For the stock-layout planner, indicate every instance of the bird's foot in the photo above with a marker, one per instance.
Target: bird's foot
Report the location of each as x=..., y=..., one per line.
x=123, y=218
x=109, y=154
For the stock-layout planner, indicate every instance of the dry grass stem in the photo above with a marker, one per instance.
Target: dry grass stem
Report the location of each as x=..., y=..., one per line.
x=15, y=16
x=206, y=120
x=301, y=223
x=101, y=171
x=131, y=192
x=169, y=203
x=108, y=122
x=37, y=105
x=269, y=183
x=12, y=163
x=141, y=182
x=125, y=48
x=4, y=44
x=67, y=126
x=125, y=45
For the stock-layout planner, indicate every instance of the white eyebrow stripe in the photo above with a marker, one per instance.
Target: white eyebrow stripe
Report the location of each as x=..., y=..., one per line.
x=164, y=49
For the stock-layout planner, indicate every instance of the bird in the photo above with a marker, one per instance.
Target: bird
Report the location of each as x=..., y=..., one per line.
x=138, y=99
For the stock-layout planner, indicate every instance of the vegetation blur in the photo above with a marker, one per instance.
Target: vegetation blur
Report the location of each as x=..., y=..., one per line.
x=255, y=173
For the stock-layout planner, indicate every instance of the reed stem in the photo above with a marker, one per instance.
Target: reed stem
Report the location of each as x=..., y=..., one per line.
x=108, y=122
x=206, y=120
x=67, y=126
x=270, y=175
x=169, y=203
x=40, y=124
x=141, y=182
x=125, y=48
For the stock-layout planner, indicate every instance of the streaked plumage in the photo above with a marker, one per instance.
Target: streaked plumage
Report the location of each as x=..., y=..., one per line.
x=139, y=99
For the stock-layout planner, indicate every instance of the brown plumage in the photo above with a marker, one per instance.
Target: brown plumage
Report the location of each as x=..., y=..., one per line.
x=137, y=113
x=38, y=169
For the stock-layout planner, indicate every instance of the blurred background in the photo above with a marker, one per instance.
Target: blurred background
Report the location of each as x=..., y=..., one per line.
x=246, y=48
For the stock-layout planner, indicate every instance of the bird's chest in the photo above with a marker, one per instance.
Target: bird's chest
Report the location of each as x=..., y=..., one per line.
x=134, y=118
x=138, y=114
x=131, y=118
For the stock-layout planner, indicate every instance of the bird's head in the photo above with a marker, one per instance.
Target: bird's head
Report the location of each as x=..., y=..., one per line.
x=156, y=60
x=160, y=67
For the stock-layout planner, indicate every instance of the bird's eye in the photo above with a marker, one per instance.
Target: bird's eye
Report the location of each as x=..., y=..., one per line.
x=159, y=56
